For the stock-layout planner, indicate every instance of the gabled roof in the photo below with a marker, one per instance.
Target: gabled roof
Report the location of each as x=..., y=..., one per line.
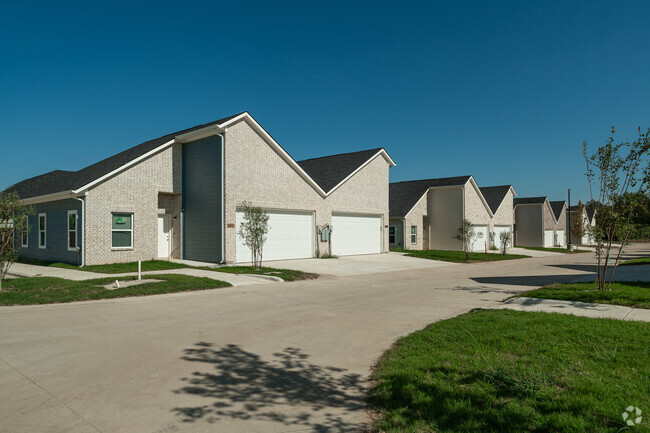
x=494, y=195
x=330, y=171
x=404, y=195
x=557, y=207
x=58, y=180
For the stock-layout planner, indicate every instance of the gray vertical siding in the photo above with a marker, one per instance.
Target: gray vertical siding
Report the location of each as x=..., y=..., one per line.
x=529, y=225
x=445, y=209
x=202, y=200
x=56, y=233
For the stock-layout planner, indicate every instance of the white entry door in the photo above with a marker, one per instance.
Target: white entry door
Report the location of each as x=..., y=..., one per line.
x=164, y=236
x=356, y=234
x=481, y=238
x=290, y=236
x=549, y=239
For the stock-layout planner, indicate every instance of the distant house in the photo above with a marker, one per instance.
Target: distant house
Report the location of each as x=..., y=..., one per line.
x=426, y=214
x=588, y=221
x=180, y=196
x=500, y=199
x=535, y=222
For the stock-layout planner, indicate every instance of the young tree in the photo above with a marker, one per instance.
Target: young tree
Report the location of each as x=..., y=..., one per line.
x=253, y=231
x=13, y=216
x=578, y=229
x=467, y=235
x=613, y=171
x=505, y=238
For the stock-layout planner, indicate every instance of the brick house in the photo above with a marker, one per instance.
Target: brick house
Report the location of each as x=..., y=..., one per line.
x=426, y=214
x=179, y=196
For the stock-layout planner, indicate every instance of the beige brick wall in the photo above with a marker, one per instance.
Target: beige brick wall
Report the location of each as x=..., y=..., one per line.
x=561, y=222
x=549, y=218
x=134, y=190
x=504, y=215
x=475, y=210
x=415, y=218
x=255, y=173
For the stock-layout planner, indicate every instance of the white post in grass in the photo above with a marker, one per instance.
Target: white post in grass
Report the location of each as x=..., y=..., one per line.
x=139, y=269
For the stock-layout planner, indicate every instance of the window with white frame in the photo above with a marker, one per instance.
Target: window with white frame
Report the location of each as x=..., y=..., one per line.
x=122, y=230
x=72, y=230
x=414, y=234
x=24, y=232
x=42, y=230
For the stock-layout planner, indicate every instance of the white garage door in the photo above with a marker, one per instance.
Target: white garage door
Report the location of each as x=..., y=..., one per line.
x=548, y=239
x=480, y=239
x=560, y=238
x=289, y=237
x=356, y=234
x=497, y=236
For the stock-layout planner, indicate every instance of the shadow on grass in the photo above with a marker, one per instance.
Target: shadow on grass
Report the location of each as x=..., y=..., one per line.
x=288, y=389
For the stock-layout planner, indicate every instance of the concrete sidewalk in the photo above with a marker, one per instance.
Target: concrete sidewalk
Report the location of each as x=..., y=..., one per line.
x=585, y=309
x=21, y=270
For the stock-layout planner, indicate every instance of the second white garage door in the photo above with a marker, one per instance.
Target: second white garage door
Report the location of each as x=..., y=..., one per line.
x=356, y=234
x=549, y=238
x=497, y=236
x=289, y=237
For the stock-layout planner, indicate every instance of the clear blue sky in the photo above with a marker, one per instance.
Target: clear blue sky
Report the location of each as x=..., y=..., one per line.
x=505, y=91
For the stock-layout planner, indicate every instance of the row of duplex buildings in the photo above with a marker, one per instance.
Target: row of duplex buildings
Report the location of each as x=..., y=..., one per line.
x=181, y=196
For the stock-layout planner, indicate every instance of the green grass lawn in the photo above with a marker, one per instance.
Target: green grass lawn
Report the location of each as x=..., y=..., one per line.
x=285, y=274
x=632, y=294
x=458, y=256
x=511, y=371
x=162, y=265
x=556, y=250
x=633, y=262
x=47, y=290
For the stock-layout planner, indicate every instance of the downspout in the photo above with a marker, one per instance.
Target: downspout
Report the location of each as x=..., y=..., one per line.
x=223, y=195
x=83, y=229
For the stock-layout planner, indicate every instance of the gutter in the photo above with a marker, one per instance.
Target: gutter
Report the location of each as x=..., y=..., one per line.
x=83, y=230
x=223, y=195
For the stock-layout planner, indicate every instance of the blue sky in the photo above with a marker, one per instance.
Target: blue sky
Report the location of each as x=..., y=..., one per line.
x=505, y=91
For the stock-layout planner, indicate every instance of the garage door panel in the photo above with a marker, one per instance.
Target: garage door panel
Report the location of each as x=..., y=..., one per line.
x=479, y=241
x=356, y=234
x=548, y=239
x=561, y=241
x=497, y=235
x=289, y=237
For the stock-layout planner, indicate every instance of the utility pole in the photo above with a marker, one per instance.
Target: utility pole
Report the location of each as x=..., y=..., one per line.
x=568, y=222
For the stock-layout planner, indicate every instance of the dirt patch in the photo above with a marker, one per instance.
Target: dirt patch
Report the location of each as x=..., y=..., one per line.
x=113, y=286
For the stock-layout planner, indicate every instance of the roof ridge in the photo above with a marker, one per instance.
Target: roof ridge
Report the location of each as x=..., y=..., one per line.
x=340, y=154
x=434, y=178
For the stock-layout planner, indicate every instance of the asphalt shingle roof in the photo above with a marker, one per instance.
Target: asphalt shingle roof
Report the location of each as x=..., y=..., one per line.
x=404, y=195
x=528, y=200
x=329, y=171
x=557, y=207
x=59, y=180
x=494, y=195
x=589, y=210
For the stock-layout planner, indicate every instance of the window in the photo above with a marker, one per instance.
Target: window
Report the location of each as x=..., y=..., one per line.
x=122, y=230
x=414, y=234
x=391, y=234
x=72, y=230
x=42, y=234
x=24, y=231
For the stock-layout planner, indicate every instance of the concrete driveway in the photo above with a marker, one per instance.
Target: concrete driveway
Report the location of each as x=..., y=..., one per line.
x=289, y=357
x=359, y=265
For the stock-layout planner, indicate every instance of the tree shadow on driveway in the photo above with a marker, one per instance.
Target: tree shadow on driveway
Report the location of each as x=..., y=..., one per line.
x=287, y=389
